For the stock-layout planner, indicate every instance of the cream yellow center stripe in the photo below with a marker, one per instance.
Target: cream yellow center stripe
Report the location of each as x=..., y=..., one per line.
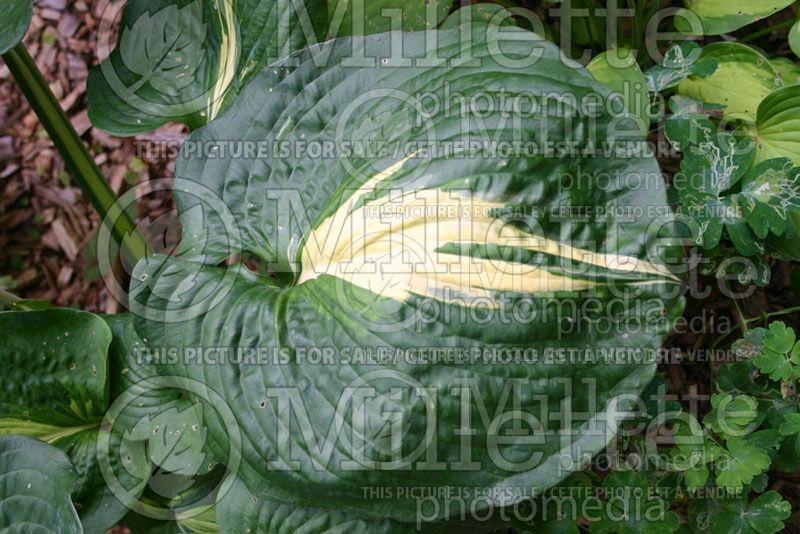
x=389, y=247
x=228, y=56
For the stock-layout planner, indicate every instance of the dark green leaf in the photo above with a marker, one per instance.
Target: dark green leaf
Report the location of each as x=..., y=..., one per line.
x=14, y=23
x=765, y=515
x=285, y=407
x=680, y=61
x=185, y=60
x=35, y=487
x=364, y=17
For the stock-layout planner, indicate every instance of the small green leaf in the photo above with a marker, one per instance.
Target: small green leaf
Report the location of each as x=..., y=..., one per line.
x=696, y=477
x=774, y=359
x=732, y=416
x=680, y=61
x=765, y=515
x=791, y=424
x=770, y=197
x=724, y=86
x=35, y=486
x=739, y=463
x=723, y=16
x=14, y=22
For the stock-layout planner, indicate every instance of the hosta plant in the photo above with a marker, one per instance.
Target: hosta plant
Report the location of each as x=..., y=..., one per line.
x=423, y=280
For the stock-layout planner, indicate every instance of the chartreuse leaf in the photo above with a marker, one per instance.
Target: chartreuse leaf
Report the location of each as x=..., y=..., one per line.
x=788, y=70
x=618, y=70
x=777, y=128
x=364, y=17
x=16, y=19
x=342, y=286
x=184, y=60
x=794, y=38
x=36, y=481
x=632, y=507
x=780, y=355
x=765, y=515
x=723, y=16
x=724, y=86
x=680, y=61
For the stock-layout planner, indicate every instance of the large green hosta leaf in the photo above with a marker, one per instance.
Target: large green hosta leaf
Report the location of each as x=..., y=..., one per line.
x=382, y=259
x=14, y=23
x=364, y=17
x=36, y=480
x=56, y=390
x=56, y=364
x=184, y=60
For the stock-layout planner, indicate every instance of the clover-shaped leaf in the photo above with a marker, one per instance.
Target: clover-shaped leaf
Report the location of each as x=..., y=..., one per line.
x=779, y=357
x=732, y=416
x=765, y=515
x=739, y=463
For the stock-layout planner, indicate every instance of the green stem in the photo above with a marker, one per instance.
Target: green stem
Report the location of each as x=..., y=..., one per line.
x=766, y=31
x=740, y=315
x=71, y=147
x=765, y=316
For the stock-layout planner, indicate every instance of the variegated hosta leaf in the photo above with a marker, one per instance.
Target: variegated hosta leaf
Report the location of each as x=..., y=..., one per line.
x=680, y=61
x=713, y=162
x=723, y=16
x=36, y=481
x=411, y=234
x=14, y=23
x=365, y=17
x=185, y=60
x=724, y=86
x=777, y=128
x=55, y=389
x=770, y=198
